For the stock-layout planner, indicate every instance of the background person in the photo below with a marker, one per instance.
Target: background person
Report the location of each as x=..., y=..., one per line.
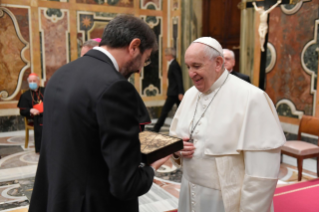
x=175, y=90
x=28, y=100
x=230, y=62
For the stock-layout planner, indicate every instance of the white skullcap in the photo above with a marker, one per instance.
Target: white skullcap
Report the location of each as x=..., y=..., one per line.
x=211, y=42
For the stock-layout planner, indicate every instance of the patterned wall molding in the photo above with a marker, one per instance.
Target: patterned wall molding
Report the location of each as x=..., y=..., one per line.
x=59, y=28
x=309, y=55
x=290, y=77
x=91, y=25
x=54, y=31
x=118, y=3
x=290, y=9
x=285, y=107
x=151, y=4
x=19, y=57
x=271, y=57
x=151, y=76
x=309, y=61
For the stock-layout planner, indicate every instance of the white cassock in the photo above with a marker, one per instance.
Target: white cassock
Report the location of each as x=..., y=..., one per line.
x=236, y=163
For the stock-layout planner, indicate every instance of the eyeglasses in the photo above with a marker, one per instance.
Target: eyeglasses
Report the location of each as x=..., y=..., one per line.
x=147, y=62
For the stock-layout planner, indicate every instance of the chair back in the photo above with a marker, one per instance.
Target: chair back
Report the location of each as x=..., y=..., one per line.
x=309, y=125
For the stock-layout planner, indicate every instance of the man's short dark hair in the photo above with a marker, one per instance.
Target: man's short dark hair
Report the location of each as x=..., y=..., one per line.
x=124, y=28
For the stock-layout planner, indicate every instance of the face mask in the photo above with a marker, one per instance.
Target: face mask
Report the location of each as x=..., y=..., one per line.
x=33, y=86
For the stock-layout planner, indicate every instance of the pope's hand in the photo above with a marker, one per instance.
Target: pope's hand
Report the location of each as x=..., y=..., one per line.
x=34, y=112
x=160, y=162
x=188, y=150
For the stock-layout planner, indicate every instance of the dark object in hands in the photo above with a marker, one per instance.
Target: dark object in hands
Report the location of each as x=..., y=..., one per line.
x=155, y=146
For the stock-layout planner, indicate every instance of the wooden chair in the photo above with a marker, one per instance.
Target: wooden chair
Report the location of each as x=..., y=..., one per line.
x=300, y=149
x=28, y=126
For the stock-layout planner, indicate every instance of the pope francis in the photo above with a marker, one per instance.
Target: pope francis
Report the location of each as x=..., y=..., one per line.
x=232, y=138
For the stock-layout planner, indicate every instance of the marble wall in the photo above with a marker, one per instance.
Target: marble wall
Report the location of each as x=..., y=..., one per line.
x=40, y=36
x=14, y=51
x=293, y=47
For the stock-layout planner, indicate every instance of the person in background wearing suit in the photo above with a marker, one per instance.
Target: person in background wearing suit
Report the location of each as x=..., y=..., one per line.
x=175, y=89
x=90, y=157
x=229, y=57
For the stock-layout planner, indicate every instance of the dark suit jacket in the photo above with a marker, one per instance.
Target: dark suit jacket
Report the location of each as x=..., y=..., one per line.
x=241, y=76
x=175, y=79
x=90, y=155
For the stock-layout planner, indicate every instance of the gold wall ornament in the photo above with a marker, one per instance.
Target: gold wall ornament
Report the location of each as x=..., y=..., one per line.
x=294, y=1
x=4, y=93
x=1, y=12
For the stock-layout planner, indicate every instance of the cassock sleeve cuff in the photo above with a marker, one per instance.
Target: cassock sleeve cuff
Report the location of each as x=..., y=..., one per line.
x=257, y=194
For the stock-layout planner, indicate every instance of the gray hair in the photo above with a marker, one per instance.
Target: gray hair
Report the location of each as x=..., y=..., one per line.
x=231, y=52
x=170, y=51
x=90, y=43
x=38, y=78
x=212, y=54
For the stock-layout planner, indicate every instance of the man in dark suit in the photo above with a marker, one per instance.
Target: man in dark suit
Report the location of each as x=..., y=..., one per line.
x=175, y=89
x=90, y=158
x=229, y=57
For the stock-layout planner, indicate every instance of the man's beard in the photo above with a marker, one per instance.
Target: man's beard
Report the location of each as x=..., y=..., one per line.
x=132, y=66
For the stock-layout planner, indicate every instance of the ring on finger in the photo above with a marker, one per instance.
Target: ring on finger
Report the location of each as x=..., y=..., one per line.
x=181, y=153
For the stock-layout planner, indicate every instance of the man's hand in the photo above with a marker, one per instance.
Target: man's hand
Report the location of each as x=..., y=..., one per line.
x=160, y=162
x=180, y=97
x=188, y=150
x=34, y=112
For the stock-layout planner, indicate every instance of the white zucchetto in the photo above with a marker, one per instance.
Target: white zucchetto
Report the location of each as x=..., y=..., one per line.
x=211, y=42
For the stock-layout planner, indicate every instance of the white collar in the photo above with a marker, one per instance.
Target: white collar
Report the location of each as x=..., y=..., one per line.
x=107, y=53
x=169, y=62
x=218, y=83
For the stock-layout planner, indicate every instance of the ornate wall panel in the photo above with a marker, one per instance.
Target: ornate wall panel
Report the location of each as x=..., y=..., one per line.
x=119, y=3
x=46, y=34
x=151, y=75
x=54, y=34
x=91, y=25
x=292, y=36
x=56, y=0
x=14, y=50
x=151, y=4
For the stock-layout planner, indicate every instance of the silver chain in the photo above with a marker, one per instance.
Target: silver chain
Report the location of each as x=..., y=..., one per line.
x=194, y=127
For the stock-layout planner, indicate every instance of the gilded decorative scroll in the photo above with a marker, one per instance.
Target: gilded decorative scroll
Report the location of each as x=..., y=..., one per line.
x=13, y=60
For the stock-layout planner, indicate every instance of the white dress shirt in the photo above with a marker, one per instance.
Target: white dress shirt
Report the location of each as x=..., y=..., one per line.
x=107, y=53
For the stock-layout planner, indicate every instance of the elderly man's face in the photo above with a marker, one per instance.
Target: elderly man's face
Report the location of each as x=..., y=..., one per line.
x=229, y=60
x=33, y=79
x=202, y=70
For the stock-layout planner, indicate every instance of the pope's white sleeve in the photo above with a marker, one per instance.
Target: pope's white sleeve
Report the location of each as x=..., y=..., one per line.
x=172, y=132
x=261, y=175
